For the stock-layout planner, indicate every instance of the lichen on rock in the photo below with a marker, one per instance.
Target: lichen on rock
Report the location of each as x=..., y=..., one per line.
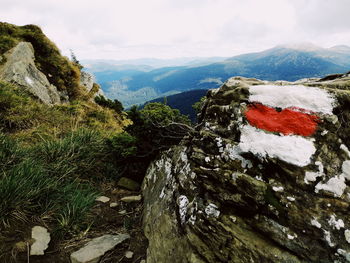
x=235, y=191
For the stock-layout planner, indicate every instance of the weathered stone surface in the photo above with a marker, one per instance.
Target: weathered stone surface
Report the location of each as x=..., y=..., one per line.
x=103, y=199
x=96, y=248
x=128, y=184
x=232, y=192
x=20, y=69
x=42, y=240
x=129, y=254
x=113, y=204
x=132, y=198
x=87, y=80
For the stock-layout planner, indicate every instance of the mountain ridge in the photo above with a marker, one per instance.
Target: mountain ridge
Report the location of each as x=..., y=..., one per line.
x=277, y=63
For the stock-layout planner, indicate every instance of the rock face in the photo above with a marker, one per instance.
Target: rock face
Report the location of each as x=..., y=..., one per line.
x=264, y=178
x=20, y=69
x=41, y=240
x=88, y=80
x=96, y=248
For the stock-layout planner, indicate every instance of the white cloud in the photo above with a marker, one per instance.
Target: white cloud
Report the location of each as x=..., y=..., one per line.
x=122, y=29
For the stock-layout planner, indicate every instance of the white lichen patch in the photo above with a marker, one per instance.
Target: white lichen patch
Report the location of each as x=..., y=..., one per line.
x=290, y=198
x=327, y=237
x=335, y=185
x=347, y=235
x=346, y=169
x=219, y=144
x=278, y=188
x=315, y=223
x=337, y=224
x=212, y=210
x=162, y=193
x=182, y=203
x=234, y=153
x=311, y=176
x=291, y=237
x=29, y=81
x=293, y=96
x=344, y=253
x=292, y=149
x=345, y=149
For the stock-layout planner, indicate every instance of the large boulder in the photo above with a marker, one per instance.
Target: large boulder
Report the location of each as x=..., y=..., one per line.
x=20, y=69
x=263, y=178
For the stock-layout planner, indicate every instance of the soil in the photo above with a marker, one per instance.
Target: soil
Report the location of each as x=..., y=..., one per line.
x=124, y=218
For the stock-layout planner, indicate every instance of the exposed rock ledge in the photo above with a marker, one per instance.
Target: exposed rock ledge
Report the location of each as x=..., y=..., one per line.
x=21, y=70
x=245, y=189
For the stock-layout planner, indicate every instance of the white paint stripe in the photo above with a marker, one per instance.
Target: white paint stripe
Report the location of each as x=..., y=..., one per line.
x=292, y=149
x=308, y=98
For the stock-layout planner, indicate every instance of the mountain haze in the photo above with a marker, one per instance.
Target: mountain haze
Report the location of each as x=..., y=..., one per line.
x=135, y=84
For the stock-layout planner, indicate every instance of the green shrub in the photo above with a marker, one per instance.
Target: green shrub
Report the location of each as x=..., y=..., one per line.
x=123, y=145
x=112, y=104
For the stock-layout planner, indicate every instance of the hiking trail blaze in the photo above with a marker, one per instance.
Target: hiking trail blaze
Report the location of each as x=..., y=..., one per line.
x=289, y=121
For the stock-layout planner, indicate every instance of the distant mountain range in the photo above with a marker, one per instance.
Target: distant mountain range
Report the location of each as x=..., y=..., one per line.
x=135, y=83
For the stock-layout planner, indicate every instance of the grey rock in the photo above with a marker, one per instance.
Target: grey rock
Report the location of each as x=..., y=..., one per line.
x=87, y=80
x=21, y=70
x=132, y=198
x=41, y=240
x=103, y=199
x=113, y=204
x=213, y=199
x=129, y=254
x=96, y=248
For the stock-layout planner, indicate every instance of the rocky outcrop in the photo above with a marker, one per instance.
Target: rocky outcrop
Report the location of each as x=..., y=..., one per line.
x=264, y=178
x=87, y=80
x=21, y=70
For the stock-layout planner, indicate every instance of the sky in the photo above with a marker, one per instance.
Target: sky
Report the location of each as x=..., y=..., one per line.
x=129, y=29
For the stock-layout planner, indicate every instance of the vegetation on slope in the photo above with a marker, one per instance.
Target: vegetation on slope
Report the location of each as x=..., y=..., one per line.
x=61, y=72
x=51, y=157
x=55, y=159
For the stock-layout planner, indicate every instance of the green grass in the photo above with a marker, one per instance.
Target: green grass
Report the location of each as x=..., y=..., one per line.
x=31, y=121
x=47, y=182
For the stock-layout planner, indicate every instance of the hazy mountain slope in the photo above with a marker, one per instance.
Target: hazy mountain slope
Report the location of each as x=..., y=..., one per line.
x=290, y=63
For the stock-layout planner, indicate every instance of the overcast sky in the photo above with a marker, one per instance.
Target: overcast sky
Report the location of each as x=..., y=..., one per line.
x=123, y=29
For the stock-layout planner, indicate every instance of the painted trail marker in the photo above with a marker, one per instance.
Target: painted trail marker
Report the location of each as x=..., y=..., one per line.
x=293, y=112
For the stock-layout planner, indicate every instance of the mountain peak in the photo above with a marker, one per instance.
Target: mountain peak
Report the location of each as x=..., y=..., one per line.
x=340, y=48
x=303, y=46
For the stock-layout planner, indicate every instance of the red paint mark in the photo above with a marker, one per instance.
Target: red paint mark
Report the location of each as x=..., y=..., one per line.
x=288, y=121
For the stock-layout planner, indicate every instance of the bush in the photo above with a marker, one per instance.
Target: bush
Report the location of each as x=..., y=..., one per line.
x=154, y=128
x=108, y=103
